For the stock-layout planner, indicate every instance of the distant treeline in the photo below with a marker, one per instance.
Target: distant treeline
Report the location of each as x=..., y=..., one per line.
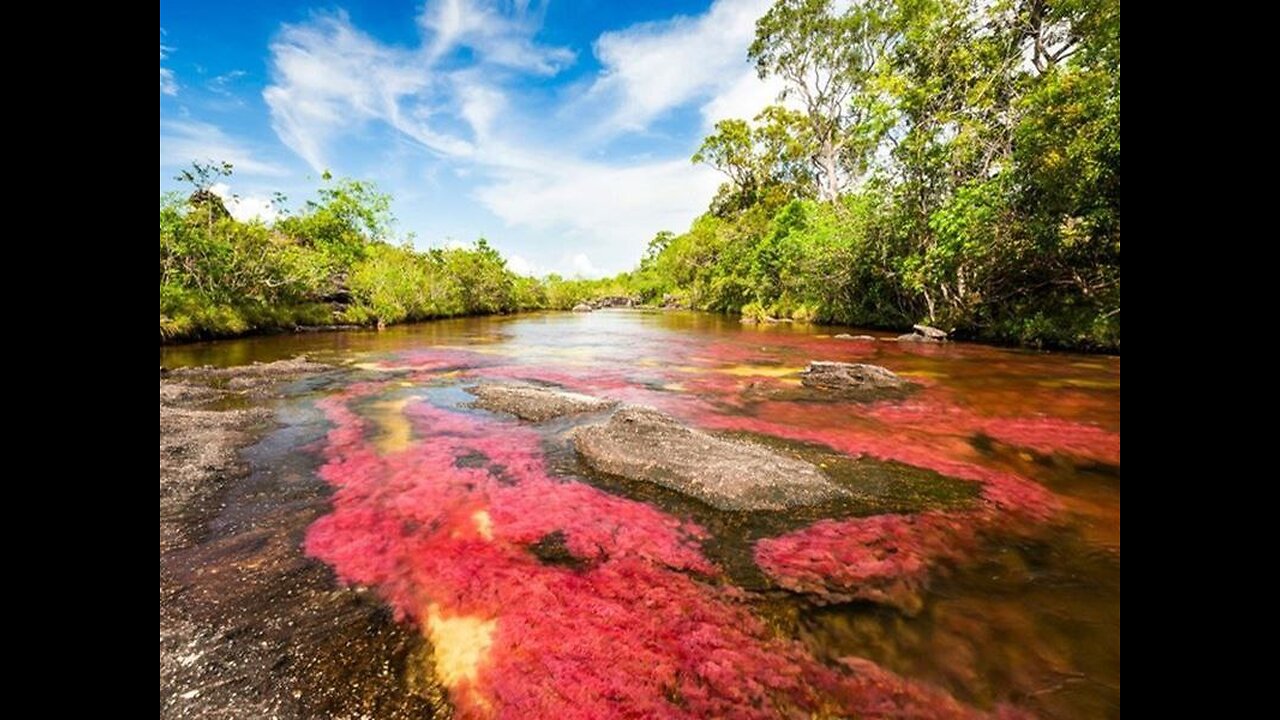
x=329, y=264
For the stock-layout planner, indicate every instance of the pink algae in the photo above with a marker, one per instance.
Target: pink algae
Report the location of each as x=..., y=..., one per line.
x=639, y=627
x=884, y=558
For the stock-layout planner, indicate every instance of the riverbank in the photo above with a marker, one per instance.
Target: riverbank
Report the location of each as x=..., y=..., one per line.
x=835, y=331
x=249, y=626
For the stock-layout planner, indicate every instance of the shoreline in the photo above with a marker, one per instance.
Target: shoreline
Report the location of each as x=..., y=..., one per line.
x=327, y=329
x=269, y=632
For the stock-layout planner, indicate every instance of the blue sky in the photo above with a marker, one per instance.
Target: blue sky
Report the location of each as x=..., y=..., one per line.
x=561, y=131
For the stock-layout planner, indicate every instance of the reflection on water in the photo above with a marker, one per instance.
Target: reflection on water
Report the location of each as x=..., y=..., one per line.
x=1005, y=462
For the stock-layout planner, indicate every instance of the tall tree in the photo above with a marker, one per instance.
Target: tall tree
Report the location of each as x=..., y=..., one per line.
x=828, y=60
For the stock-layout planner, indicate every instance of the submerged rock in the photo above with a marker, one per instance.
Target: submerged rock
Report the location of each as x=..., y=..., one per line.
x=582, y=307
x=932, y=333
x=641, y=443
x=847, y=336
x=851, y=378
x=530, y=402
x=923, y=333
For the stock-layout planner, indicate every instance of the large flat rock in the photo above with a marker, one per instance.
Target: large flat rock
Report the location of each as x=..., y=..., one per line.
x=640, y=443
x=534, y=403
x=853, y=380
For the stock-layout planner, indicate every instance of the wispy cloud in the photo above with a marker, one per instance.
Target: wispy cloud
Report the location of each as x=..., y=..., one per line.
x=223, y=84
x=184, y=141
x=168, y=83
x=497, y=37
x=652, y=68
x=245, y=207
x=613, y=209
x=328, y=76
x=330, y=79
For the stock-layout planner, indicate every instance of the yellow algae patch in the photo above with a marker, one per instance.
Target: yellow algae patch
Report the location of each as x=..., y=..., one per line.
x=484, y=523
x=1081, y=383
x=395, y=433
x=459, y=644
x=924, y=374
x=759, y=370
x=378, y=367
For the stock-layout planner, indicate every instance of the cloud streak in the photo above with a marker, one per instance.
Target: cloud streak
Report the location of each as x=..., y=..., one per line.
x=653, y=68
x=185, y=141
x=460, y=95
x=168, y=82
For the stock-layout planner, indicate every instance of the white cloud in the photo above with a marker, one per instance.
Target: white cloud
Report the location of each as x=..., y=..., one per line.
x=520, y=266
x=582, y=266
x=184, y=141
x=481, y=104
x=168, y=82
x=223, y=83
x=616, y=209
x=497, y=37
x=743, y=99
x=328, y=77
x=655, y=67
x=246, y=207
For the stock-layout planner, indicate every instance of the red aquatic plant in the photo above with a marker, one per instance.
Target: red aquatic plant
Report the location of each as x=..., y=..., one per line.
x=625, y=619
x=885, y=558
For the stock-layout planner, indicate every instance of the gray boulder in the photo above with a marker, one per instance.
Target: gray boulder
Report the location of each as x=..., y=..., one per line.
x=640, y=443
x=533, y=403
x=932, y=333
x=850, y=378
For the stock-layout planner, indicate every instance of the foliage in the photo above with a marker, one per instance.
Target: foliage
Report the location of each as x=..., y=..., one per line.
x=332, y=262
x=965, y=160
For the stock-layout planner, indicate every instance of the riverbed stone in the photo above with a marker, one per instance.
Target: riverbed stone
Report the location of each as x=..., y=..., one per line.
x=932, y=333
x=582, y=307
x=851, y=378
x=640, y=443
x=534, y=403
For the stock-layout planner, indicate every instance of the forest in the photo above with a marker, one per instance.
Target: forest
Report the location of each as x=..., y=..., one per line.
x=952, y=162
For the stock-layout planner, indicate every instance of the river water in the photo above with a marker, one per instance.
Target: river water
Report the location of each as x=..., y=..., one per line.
x=976, y=569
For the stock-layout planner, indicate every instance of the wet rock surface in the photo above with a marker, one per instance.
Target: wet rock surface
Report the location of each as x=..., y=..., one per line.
x=932, y=333
x=853, y=380
x=923, y=333
x=640, y=443
x=249, y=626
x=535, y=403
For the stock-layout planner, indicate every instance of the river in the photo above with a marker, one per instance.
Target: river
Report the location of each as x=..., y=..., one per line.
x=975, y=569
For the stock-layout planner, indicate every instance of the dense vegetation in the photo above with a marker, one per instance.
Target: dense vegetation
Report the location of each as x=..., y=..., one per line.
x=949, y=161
x=331, y=263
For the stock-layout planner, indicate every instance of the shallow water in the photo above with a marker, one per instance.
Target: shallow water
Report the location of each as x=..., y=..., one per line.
x=544, y=588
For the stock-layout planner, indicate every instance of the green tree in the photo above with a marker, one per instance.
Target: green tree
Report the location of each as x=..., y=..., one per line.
x=828, y=61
